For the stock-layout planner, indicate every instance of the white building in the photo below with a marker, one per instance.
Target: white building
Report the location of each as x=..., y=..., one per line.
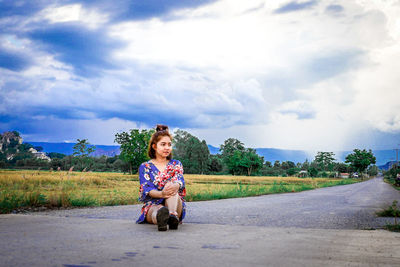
x=39, y=155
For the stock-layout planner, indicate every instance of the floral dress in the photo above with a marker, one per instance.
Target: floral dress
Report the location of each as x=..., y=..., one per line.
x=151, y=178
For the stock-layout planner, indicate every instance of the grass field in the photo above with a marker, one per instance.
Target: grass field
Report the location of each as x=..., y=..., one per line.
x=28, y=189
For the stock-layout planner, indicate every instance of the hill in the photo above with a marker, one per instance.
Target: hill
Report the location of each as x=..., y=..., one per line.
x=273, y=154
x=269, y=154
x=66, y=148
x=387, y=166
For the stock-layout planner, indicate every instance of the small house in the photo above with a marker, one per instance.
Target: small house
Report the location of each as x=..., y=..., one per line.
x=303, y=174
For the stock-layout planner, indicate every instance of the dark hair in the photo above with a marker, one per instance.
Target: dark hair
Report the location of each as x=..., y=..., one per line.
x=161, y=130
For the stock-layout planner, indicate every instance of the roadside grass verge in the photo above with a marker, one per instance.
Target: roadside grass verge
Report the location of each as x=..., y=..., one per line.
x=206, y=190
x=392, y=182
x=391, y=211
x=27, y=189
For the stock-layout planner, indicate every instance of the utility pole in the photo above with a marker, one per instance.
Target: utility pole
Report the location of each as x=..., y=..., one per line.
x=397, y=157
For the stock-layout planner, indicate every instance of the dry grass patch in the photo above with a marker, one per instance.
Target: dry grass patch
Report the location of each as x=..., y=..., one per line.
x=27, y=188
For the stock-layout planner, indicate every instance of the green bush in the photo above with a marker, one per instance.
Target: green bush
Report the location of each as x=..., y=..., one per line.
x=391, y=211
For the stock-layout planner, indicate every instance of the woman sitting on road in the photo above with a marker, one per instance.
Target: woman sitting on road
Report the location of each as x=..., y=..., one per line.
x=162, y=187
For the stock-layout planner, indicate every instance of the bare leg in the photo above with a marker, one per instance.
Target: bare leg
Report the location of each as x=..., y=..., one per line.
x=174, y=205
x=151, y=214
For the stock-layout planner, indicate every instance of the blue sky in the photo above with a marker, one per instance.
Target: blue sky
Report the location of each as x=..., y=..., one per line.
x=307, y=75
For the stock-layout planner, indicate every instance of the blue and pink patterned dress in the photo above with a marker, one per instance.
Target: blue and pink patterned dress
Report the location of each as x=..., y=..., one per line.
x=151, y=178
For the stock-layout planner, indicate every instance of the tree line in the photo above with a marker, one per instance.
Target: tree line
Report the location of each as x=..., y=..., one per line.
x=233, y=158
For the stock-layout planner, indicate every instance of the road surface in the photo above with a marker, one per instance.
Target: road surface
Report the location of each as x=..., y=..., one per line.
x=329, y=226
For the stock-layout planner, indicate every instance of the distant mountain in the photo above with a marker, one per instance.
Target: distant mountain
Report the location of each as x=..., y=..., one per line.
x=273, y=154
x=387, y=166
x=269, y=154
x=66, y=148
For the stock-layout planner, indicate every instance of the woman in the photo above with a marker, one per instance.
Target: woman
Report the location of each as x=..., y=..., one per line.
x=162, y=187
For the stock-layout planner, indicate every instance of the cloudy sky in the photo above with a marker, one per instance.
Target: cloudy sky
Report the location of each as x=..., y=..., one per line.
x=308, y=75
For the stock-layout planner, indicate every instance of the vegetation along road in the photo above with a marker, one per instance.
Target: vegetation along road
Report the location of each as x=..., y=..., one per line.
x=327, y=226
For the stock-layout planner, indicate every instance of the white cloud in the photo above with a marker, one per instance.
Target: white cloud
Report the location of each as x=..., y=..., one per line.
x=299, y=80
x=74, y=13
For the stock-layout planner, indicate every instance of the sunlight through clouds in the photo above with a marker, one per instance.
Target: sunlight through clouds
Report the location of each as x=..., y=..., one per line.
x=286, y=74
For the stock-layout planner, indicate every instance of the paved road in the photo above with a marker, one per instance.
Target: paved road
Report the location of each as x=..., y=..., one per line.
x=340, y=207
x=312, y=228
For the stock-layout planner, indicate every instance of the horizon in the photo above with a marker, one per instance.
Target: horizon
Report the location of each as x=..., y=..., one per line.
x=382, y=156
x=214, y=146
x=297, y=75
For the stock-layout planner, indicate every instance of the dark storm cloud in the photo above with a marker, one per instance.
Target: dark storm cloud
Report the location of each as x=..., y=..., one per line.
x=295, y=6
x=88, y=51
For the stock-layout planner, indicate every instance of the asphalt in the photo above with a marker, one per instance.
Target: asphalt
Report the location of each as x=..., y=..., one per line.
x=330, y=226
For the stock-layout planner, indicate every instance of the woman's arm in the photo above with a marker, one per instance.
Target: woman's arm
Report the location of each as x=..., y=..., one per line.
x=146, y=185
x=169, y=190
x=179, y=176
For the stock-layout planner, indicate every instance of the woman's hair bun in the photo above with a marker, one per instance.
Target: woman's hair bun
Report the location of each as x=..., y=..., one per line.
x=161, y=127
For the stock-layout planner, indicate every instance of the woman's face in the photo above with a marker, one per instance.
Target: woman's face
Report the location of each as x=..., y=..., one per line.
x=163, y=147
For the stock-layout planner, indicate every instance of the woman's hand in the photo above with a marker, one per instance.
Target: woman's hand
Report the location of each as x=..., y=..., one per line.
x=170, y=189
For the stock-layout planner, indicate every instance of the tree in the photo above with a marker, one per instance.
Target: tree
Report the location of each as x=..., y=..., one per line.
x=215, y=164
x=360, y=159
x=81, y=150
x=313, y=171
x=134, y=147
x=342, y=167
x=231, y=152
x=193, y=153
x=292, y=171
x=267, y=164
x=238, y=159
x=203, y=156
x=373, y=170
x=56, y=155
x=277, y=164
x=325, y=160
x=251, y=161
x=230, y=146
x=287, y=165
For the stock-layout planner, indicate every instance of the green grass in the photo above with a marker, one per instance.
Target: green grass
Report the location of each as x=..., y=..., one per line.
x=391, y=211
x=245, y=190
x=29, y=189
x=10, y=200
x=393, y=228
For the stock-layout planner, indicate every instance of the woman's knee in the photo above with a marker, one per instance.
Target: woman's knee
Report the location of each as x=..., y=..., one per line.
x=172, y=198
